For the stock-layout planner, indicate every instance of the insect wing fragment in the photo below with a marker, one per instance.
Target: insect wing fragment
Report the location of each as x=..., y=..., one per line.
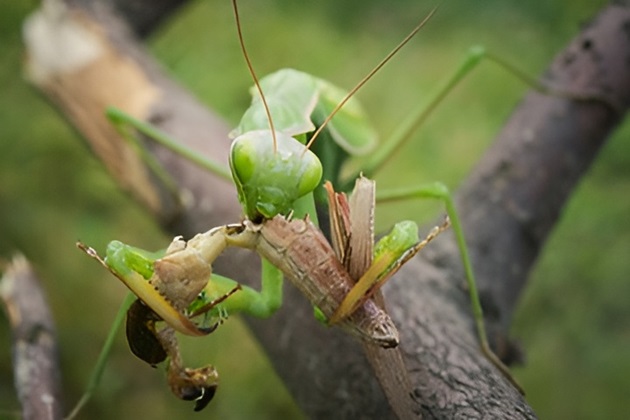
x=350, y=128
x=141, y=334
x=291, y=96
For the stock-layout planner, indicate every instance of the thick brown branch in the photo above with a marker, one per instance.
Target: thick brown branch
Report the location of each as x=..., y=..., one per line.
x=519, y=188
x=35, y=354
x=509, y=203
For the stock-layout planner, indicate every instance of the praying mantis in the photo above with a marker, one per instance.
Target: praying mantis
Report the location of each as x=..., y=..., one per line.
x=254, y=213
x=446, y=138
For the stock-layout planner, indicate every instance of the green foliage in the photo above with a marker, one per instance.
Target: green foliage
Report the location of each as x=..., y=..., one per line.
x=574, y=317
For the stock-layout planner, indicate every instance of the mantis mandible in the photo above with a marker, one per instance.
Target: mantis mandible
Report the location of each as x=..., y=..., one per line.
x=224, y=295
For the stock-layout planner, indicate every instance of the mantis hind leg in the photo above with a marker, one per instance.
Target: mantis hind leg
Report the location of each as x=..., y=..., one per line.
x=439, y=191
x=222, y=295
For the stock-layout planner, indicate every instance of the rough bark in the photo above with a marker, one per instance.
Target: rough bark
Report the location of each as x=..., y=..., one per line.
x=509, y=205
x=36, y=367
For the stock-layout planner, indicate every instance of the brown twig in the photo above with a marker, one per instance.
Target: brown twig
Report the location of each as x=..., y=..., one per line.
x=509, y=205
x=35, y=354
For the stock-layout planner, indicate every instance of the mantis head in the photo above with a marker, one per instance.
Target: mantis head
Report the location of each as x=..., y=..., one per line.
x=270, y=179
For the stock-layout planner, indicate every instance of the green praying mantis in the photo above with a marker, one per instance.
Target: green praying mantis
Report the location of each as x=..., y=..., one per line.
x=277, y=177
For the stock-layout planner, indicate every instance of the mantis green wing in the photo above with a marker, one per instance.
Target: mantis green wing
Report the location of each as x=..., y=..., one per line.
x=299, y=103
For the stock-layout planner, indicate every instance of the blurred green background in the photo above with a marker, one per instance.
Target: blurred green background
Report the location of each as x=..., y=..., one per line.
x=573, y=320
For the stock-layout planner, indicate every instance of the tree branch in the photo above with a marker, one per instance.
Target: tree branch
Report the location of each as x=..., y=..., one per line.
x=509, y=204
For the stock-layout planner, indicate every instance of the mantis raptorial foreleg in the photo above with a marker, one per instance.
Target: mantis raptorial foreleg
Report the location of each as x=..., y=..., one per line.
x=439, y=191
x=163, y=282
x=180, y=285
x=134, y=267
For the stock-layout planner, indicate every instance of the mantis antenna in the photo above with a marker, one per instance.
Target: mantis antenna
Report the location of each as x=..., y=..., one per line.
x=253, y=73
x=369, y=76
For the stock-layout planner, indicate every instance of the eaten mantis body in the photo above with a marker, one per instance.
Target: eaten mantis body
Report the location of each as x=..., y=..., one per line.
x=212, y=296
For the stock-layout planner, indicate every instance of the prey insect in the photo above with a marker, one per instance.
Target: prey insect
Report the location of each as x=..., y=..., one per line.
x=276, y=176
